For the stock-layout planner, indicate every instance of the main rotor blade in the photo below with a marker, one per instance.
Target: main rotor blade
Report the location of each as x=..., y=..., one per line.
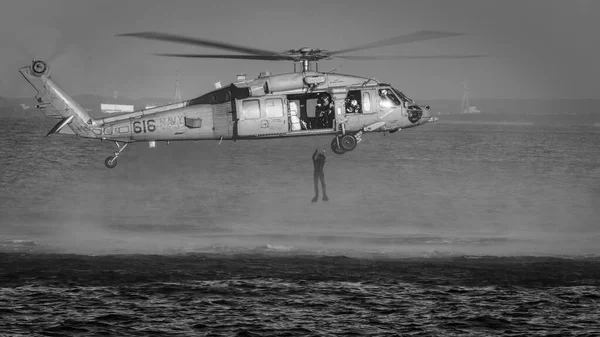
x=198, y=42
x=241, y=57
x=407, y=57
x=412, y=37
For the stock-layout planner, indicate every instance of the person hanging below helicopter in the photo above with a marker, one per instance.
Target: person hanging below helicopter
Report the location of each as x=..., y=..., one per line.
x=324, y=111
x=319, y=164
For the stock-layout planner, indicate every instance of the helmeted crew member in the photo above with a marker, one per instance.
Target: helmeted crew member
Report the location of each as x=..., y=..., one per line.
x=324, y=111
x=319, y=162
x=352, y=106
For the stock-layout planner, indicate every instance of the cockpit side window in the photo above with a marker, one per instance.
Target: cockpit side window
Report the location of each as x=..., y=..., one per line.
x=387, y=99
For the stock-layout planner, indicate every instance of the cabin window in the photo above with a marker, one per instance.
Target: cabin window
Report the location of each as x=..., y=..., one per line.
x=353, y=102
x=274, y=107
x=366, y=102
x=251, y=109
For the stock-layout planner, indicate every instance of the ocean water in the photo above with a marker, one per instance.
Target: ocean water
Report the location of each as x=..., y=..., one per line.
x=445, y=229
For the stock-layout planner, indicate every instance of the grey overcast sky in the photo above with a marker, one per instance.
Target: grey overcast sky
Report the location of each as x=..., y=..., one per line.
x=538, y=48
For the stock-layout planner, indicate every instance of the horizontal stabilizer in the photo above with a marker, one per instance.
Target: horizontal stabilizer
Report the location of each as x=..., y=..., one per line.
x=60, y=125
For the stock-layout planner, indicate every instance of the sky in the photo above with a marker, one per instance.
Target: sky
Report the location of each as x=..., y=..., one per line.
x=536, y=48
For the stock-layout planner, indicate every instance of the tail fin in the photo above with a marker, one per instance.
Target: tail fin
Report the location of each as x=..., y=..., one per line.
x=56, y=103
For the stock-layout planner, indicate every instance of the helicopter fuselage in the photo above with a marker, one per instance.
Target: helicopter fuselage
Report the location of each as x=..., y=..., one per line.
x=283, y=105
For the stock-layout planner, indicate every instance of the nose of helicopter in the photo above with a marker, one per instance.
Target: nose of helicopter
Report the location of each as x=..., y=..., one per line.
x=427, y=117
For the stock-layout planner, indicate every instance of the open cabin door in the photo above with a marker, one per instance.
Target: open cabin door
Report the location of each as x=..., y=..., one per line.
x=261, y=116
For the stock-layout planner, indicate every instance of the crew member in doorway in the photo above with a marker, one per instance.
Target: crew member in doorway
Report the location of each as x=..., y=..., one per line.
x=324, y=111
x=319, y=162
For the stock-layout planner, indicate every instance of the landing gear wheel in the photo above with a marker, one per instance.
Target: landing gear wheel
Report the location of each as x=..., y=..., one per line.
x=335, y=148
x=348, y=142
x=110, y=162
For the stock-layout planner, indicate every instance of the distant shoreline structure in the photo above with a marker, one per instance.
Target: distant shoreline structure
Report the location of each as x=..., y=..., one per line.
x=466, y=107
x=116, y=108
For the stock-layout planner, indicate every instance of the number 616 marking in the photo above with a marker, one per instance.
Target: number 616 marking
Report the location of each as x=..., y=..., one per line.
x=143, y=126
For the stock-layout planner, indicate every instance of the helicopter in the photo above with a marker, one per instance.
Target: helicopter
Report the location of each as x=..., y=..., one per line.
x=301, y=103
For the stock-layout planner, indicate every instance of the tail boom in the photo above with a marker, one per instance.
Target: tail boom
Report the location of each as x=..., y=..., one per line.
x=63, y=106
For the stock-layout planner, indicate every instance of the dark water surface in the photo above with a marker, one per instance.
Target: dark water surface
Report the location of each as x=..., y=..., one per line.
x=444, y=230
x=275, y=294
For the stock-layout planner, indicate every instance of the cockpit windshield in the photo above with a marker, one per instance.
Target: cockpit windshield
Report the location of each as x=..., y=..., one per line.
x=387, y=98
x=402, y=96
